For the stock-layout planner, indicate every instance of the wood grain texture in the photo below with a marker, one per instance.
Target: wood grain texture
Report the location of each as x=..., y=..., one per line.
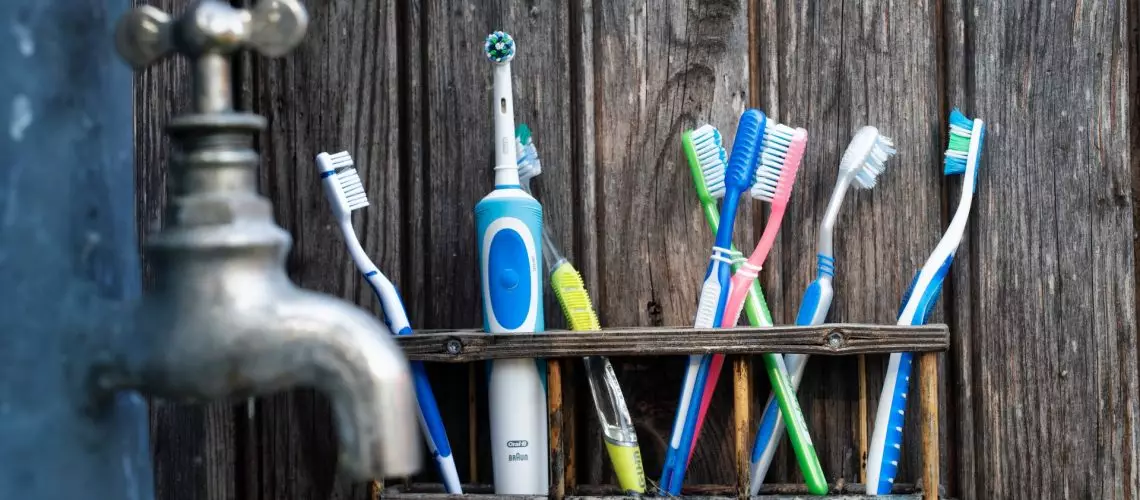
x=194, y=446
x=833, y=67
x=1056, y=401
x=928, y=414
x=742, y=422
x=832, y=339
x=960, y=402
x=660, y=68
x=336, y=91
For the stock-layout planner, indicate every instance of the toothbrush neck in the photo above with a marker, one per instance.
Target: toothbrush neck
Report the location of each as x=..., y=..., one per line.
x=827, y=228
x=506, y=175
x=504, y=115
x=727, y=220
x=771, y=228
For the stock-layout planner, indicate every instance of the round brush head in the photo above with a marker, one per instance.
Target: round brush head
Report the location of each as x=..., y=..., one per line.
x=500, y=47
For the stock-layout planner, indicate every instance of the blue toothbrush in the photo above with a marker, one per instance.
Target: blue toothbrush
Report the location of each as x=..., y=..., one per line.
x=509, y=225
x=962, y=157
x=714, y=292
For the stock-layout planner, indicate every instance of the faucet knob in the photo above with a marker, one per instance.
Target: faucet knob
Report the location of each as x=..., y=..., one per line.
x=147, y=35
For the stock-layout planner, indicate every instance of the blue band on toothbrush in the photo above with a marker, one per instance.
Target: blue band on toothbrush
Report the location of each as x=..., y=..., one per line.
x=826, y=265
x=508, y=186
x=327, y=174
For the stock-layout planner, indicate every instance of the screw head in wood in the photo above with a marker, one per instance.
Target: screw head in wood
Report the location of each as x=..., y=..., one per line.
x=835, y=340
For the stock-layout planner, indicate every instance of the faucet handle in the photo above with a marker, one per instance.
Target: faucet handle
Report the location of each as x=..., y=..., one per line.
x=147, y=35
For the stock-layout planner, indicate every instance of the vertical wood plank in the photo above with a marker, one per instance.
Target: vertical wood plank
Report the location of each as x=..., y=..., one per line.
x=339, y=90
x=659, y=68
x=958, y=288
x=457, y=150
x=1056, y=403
x=861, y=420
x=842, y=65
x=555, y=420
x=742, y=422
x=928, y=380
x=194, y=446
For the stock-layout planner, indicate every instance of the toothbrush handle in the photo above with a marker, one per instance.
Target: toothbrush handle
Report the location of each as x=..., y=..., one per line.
x=434, y=433
x=887, y=436
x=620, y=436
x=396, y=317
x=676, y=456
x=813, y=311
x=509, y=229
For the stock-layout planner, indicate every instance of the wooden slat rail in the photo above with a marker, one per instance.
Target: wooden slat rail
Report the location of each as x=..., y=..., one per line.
x=829, y=339
x=695, y=492
x=835, y=339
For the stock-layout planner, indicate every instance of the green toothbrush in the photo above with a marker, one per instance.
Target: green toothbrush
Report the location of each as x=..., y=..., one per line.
x=706, y=156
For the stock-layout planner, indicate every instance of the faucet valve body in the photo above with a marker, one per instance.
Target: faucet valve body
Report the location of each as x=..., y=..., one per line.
x=223, y=320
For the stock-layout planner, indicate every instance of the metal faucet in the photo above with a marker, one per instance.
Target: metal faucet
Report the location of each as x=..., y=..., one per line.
x=223, y=320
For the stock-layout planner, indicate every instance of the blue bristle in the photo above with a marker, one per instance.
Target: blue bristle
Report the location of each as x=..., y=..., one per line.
x=745, y=150
x=961, y=128
x=959, y=119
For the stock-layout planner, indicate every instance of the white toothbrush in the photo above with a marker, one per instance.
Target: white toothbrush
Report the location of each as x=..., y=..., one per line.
x=345, y=193
x=862, y=162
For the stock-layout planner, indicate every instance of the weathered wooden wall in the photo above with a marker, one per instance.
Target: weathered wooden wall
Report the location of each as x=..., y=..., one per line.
x=1041, y=385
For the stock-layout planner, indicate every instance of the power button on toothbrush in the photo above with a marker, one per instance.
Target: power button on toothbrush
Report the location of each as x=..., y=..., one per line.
x=508, y=279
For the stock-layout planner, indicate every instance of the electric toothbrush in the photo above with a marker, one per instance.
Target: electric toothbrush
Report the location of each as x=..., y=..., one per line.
x=509, y=225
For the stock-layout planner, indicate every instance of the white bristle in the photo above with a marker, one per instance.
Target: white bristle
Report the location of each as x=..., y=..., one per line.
x=340, y=160
x=777, y=139
x=352, y=188
x=528, y=163
x=711, y=157
x=867, y=155
x=349, y=180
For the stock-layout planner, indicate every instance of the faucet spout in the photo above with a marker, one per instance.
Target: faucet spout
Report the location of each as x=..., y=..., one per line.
x=203, y=347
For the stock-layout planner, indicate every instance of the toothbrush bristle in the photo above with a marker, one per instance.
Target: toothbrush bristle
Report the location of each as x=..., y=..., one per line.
x=961, y=131
x=340, y=160
x=529, y=165
x=708, y=144
x=526, y=154
x=780, y=157
x=353, y=189
x=874, y=163
x=500, y=47
x=348, y=179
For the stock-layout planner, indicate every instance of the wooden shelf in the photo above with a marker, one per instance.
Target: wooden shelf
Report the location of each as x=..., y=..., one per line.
x=829, y=339
x=844, y=491
x=463, y=346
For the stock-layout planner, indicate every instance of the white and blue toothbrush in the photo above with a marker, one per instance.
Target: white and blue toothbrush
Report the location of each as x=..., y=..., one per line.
x=345, y=193
x=861, y=164
x=962, y=157
x=509, y=225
